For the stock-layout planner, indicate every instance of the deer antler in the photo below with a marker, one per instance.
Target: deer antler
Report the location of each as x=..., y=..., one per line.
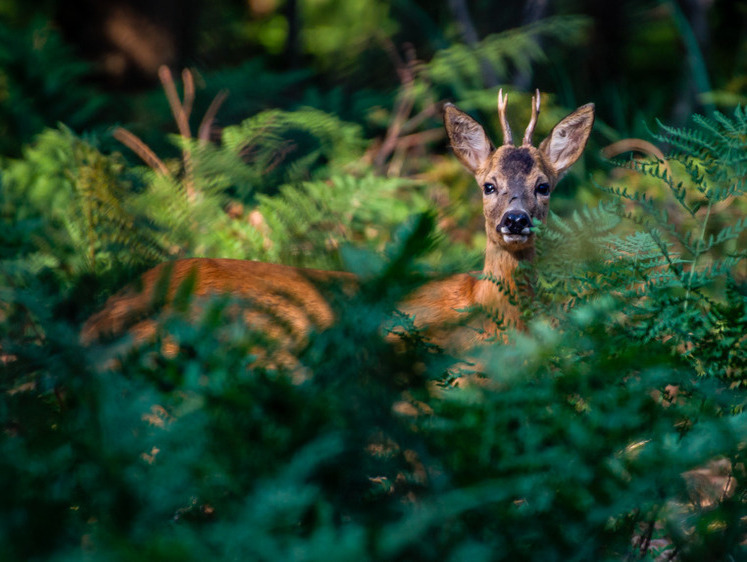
x=533, y=121
x=502, y=102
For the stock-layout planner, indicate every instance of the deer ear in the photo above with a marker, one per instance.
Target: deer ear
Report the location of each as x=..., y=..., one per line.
x=468, y=139
x=568, y=138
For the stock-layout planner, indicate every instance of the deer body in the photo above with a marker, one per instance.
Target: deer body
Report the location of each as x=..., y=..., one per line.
x=291, y=299
x=516, y=183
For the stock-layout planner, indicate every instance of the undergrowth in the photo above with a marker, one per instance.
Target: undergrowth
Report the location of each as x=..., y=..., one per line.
x=574, y=443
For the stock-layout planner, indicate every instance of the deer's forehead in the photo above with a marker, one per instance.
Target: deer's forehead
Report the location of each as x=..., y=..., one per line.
x=517, y=163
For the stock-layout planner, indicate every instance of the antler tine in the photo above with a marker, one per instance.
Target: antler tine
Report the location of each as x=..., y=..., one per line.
x=533, y=121
x=502, y=102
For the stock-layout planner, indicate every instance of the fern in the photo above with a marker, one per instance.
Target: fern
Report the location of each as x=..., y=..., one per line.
x=669, y=274
x=327, y=214
x=289, y=146
x=80, y=197
x=717, y=148
x=459, y=66
x=583, y=236
x=42, y=83
x=252, y=158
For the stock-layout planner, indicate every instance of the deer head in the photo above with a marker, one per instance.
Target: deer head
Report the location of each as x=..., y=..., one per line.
x=517, y=181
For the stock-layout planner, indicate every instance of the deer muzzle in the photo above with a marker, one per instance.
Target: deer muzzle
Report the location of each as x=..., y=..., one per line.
x=515, y=226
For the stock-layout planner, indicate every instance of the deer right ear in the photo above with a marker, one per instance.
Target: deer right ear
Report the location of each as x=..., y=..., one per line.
x=568, y=138
x=468, y=139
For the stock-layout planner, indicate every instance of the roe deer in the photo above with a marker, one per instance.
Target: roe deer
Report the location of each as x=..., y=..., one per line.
x=516, y=183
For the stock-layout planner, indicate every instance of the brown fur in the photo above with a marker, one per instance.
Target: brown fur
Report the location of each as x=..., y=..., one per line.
x=290, y=299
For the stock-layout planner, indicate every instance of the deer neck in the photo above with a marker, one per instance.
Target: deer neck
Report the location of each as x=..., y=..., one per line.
x=494, y=290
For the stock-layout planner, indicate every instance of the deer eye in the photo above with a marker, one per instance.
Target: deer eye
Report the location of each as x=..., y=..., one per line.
x=543, y=189
x=488, y=188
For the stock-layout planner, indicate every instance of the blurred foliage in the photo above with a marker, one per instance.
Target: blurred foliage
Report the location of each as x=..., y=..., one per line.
x=75, y=201
x=592, y=435
x=42, y=82
x=337, y=34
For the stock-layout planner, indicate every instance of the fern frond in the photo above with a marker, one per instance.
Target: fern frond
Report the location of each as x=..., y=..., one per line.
x=326, y=214
x=85, y=206
x=460, y=65
x=288, y=146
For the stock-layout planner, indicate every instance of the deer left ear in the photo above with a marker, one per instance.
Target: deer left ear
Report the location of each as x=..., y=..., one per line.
x=568, y=138
x=468, y=139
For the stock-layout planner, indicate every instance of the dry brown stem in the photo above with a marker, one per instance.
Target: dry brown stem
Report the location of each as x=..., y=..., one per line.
x=134, y=143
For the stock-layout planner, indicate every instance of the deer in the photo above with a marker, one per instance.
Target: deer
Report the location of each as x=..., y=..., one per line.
x=516, y=184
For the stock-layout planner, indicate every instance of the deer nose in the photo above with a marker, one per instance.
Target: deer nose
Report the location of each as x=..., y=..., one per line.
x=515, y=222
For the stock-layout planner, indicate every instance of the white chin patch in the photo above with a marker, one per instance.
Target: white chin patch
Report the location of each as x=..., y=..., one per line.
x=509, y=238
x=515, y=238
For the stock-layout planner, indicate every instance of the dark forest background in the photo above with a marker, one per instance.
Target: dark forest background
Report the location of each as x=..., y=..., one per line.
x=635, y=59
